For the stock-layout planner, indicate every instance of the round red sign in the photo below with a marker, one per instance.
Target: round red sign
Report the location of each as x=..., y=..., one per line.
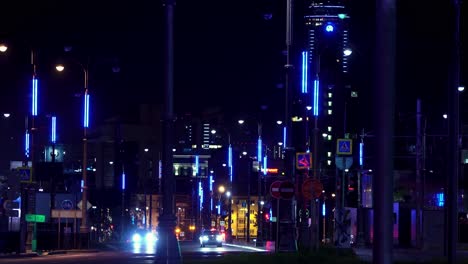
x=275, y=189
x=287, y=190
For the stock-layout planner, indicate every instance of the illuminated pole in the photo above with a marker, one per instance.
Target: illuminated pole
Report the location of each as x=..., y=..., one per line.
x=230, y=188
x=84, y=230
x=53, y=139
x=168, y=250
x=261, y=164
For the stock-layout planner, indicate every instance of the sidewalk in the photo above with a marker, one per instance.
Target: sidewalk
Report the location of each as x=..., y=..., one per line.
x=46, y=253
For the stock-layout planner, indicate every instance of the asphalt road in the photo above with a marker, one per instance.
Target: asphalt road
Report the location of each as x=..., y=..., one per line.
x=130, y=254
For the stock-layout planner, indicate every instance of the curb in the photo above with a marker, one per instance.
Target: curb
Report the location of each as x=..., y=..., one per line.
x=22, y=255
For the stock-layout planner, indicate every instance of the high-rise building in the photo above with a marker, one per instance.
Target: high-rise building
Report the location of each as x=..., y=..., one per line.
x=325, y=84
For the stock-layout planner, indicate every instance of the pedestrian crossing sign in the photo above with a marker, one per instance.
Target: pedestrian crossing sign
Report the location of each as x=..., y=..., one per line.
x=344, y=146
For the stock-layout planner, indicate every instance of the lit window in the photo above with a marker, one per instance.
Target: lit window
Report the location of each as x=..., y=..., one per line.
x=329, y=154
x=329, y=137
x=330, y=95
x=329, y=111
x=329, y=129
x=329, y=103
x=328, y=162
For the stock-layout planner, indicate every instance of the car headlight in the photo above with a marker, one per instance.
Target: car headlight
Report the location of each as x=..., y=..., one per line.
x=136, y=238
x=205, y=238
x=150, y=237
x=219, y=238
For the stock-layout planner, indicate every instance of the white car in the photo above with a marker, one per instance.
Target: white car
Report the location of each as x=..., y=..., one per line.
x=211, y=237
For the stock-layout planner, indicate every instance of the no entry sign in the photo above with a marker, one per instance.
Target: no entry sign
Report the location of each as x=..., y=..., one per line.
x=286, y=190
x=275, y=189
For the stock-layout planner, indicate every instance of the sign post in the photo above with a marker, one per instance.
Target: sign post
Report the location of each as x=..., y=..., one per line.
x=34, y=218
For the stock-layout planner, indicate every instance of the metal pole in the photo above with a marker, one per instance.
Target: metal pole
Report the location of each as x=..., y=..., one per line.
x=419, y=198
x=84, y=198
x=384, y=120
x=249, y=167
x=453, y=158
x=168, y=250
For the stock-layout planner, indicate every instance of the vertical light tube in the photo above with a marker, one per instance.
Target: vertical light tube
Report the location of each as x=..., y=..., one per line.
x=160, y=169
x=123, y=181
x=82, y=185
x=26, y=144
x=265, y=165
x=305, y=72
x=211, y=192
x=86, y=110
x=259, y=153
x=230, y=162
x=361, y=154
x=284, y=136
x=53, y=136
x=200, y=194
x=316, y=96
x=34, y=97
x=323, y=209
x=197, y=163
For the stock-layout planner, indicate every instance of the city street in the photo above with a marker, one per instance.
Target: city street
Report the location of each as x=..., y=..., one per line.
x=130, y=254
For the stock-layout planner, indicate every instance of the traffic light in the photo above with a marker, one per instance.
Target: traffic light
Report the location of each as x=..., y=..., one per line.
x=266, y=216
x=352, y=190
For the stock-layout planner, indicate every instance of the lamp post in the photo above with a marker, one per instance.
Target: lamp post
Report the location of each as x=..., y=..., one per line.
x=221, y=190
x=84, y=230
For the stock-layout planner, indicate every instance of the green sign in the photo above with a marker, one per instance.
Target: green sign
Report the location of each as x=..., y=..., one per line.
x=35, y=218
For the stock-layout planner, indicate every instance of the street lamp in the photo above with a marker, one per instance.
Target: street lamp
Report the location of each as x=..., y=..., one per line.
x=221, y=190
x=3, y=47
x=84, y=198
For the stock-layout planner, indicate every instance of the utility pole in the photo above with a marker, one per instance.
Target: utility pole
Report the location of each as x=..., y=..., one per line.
x=419, y=157
x=453, y=139
x=384, y=120
x=168, y=247
x=289, y=212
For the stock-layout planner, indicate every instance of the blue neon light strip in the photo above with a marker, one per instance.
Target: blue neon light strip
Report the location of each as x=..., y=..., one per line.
x=316, y=97
x=440, y=199
x=230, y=162
x=26, y=144
x=284, y=136
x=197, y=163
x=200, y=194
x=305, y=72
x=323, y=209
x=265, y=166
x=34, y=97
x=82, y=185
x=86, y=110
x=53, y=136
x=219, y=207
x=160, y=169
x=361, y=154
x=211, y=183
x=123, y=180
x=259, y=153
x=211, y=204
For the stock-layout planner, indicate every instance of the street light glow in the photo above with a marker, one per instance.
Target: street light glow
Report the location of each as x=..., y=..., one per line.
x=3, y=47
x=213, y=131
x=445, y=116
x=60, y=67
x=461, y=88
x=6, y=115
x=279, y=122
x=221, y=189
x=347, y=52
x=241, y=121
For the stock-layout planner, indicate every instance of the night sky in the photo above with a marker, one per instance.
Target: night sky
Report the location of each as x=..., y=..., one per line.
x=228, y=54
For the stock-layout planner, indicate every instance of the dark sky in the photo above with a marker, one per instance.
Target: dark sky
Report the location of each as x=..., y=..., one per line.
x=227, y=53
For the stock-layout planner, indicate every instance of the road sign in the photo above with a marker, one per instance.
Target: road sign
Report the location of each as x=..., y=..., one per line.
x=24, y=174
x=303, y=160
x=343, y=163
x=311, y=189
x=66, y=214
x=344, y=146
x=286, y=190
x=88, y=204
x=275, y=189
x=67, y=204
x=35, y=218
